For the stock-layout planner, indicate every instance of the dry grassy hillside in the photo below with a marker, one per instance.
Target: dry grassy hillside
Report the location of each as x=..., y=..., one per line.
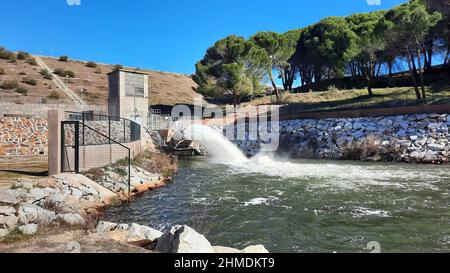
x=165, y=88
x=12, y=74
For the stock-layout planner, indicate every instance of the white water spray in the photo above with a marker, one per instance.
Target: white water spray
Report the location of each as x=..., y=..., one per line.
x=219, y=147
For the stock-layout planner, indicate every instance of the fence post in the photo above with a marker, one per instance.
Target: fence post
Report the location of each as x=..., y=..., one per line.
x=55, y=117
x=77, y=147
x=109, y=129
x=84, y=122
x=129, y=174
x=124, y=131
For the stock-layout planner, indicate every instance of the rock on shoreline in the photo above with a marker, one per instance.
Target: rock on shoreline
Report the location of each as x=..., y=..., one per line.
x=178, y=239
x=420, y=138
x=67, y=200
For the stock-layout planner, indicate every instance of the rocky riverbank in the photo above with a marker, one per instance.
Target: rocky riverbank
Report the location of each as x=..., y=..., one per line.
x=34, y=206
x=421, y=138
x=62, y=213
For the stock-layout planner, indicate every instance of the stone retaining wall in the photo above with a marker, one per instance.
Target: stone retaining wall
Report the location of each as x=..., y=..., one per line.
x=23, y=136
x=421, y=138
x=41, y=110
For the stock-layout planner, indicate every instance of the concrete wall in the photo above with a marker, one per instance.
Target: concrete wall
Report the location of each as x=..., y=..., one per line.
x=102, y=155
x=122, y=101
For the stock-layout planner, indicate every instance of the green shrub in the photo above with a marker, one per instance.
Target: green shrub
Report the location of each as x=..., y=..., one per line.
x=2, y=71
x=120, y=171
x=6, y=54
x=22, y=90
x=13, y=59
x=46, y=74
x=64, y=58
x=54, y=95
x=60, y=72
x=118, y=66
x=29, y=81
x=91, y=64
x=22, y=55
x=14, y=236
x=63, y=73
x=31, y=61
x=9, y=85
x=69, y=73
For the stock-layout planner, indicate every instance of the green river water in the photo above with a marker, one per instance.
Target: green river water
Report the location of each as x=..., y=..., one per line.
x=304, y=206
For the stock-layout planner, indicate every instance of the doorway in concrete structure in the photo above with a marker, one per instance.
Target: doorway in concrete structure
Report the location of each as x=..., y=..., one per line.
x=70, y=146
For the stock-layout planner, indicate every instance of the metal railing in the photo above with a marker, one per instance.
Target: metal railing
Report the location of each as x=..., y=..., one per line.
x=119, y=129
x=74, y=159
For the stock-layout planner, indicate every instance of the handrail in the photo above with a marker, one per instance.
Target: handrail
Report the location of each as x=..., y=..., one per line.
x=99, y=115
x=134, y=135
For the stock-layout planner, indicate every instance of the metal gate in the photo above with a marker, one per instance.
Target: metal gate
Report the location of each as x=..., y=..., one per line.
x=70, y=146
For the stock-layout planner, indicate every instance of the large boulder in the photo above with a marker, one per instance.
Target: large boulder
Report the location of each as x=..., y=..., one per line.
x=29, y=213
x=7, y=198
x=257, y=249
x=436, y=147
x=225, y=250
x=183, y=239
x=138, y=233
x=3, y=232
x=73, y=219
x=104, y=226
x=29, y=229
x=24, y=183
x=7, y=211
x=38, y=193
x=8, y=222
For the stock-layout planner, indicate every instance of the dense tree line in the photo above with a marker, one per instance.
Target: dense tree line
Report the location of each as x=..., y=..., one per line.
x=361, y=45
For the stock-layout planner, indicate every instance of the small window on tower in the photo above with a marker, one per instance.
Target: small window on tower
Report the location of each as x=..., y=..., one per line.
x=139, y=91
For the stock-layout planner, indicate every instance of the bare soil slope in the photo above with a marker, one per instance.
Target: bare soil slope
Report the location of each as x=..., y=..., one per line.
x=40, y=93
x=165, y=88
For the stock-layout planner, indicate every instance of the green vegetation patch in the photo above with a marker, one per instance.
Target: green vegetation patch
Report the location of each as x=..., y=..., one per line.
x=54, y=95
x=29, y=81
x=64, y=73
x=46, y=74
x=14, y=236
x=22, y=55
x=6, y=54
x=9, y=84
x=22, y=90
x=91, y=64
x=32, y=61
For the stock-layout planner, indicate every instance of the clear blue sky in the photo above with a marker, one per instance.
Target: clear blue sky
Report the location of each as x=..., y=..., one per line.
x=168, y=35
